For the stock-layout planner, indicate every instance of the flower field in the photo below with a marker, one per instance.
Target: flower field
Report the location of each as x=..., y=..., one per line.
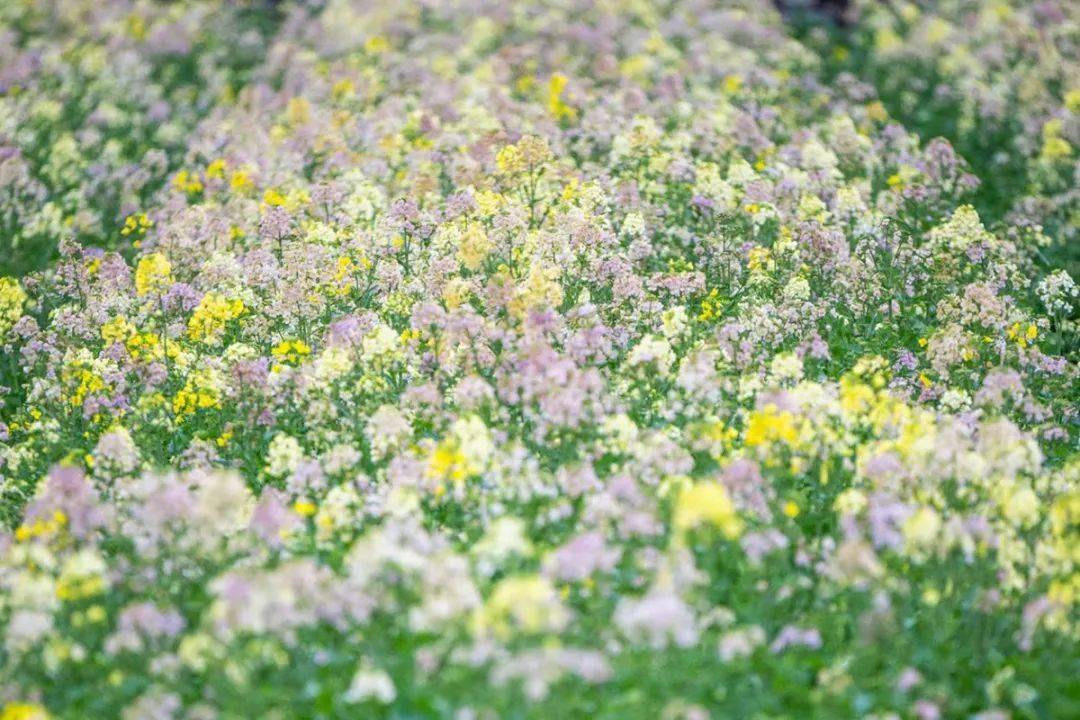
x=484, y=360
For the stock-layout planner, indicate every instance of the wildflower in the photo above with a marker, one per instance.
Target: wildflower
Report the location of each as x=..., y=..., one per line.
x=82, y=576
x=291, y=351
x=370, y=683
x=153, y=274
x=1058, y=291
x=187, y=182
x=540, y=290
x=474, y=247
x=555, y=103
x=12, y=299
x=921, y=530
x=769, y=425
x=376, y=44
x=304, y=508
x=273, y=198
x=707, y=503
x=201, y=391
x=1021, y=507
x=1054, y=146
x=283, y=456
x=659, y=618
x=240, y=182
x=211, y=317
x=655, y=351
x=522, y=603
x=791, y=636
x=119, y=329
x=509, y=160
x=216, y=169
x=528, y=154
x=23, y=711
x=962, y=230
x=136, y=224
x=462, y=454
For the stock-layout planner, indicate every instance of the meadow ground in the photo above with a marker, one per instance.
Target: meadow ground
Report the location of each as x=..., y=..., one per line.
x=478, y=360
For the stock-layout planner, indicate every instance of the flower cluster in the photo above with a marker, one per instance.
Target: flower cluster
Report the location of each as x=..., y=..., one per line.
x=1000, y=81
x=475, y=359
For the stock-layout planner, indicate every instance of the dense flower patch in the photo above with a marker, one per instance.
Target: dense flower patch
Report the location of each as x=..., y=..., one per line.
x=477, y=360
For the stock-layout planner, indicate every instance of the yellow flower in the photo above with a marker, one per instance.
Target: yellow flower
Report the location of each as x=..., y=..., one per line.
x=85, y=380
x=187, y=182
x=342, y=89
x=118, y=329
x=136, y=224
x=42, y=527
x=298, y=111
x=23, y=711
x=707, y=503
x=201, y=391
x=273, y=198
x=1054, y=146
x=711, y=307
x=527, y=603
x=147, y=346
x=304, y=508
x=508, y=160
x=1021, y=507
x=135, y=26
x=529, y=153
x=759, y=259
x=82, y=576
x=291, y=351
x=12, y=299
x=555, y=103
x=211, y=315
x=153, y=274
x=770, y=424
x=1072, y=100
x=447, y=462
x=376, y=44
x=921, y=529
x=465, y=452
x=456, y=292
x=474, y=247
x=240, y=182
x=216, y=169
x=541, y=289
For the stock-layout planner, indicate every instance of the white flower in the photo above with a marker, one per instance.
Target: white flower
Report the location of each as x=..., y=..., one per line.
x=955, y=400
x=634, y=225
x=653, y=349
x=1022, y=507
x=381, y=340
x=283, y=456
x=787, y=366
x=505, y=538
x=816, y=156
x=1057, y=290
x=675, y=322
x=797, y=290
x=474, y=442
x=371, y=683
